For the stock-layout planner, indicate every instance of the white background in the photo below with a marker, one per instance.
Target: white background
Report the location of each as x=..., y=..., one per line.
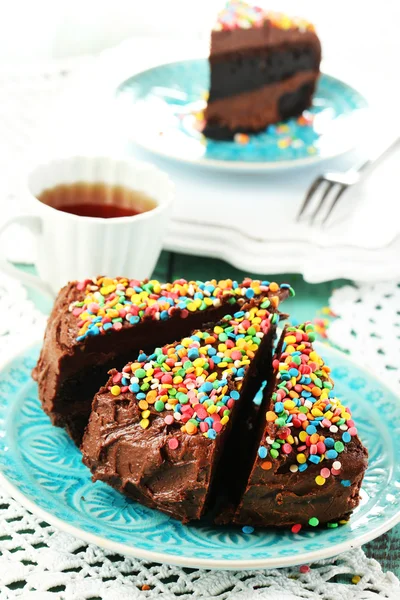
x=365, y=29
x=360, y=37
x=360, y=45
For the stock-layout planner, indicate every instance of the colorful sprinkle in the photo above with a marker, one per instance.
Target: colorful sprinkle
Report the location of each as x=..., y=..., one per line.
x=339, y=446
x=241, y=138
x=355, y=579
x=326, y=315
x=267, y=465
x=262, y=452
x=296, y=528
x=248, y=529
x=284, y=142
x=304, y=569
x=313, y=522
x=173, y=443
x=238, y=14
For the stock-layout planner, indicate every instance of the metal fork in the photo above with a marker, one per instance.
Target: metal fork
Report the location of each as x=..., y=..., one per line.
x=332, y=186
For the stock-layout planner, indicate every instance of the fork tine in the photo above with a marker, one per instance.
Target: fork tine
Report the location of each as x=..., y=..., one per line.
x=334, y=203
x=308, y=197
x=329, y=186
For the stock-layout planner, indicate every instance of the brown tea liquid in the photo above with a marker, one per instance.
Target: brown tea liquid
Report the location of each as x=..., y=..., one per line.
x=97, y=200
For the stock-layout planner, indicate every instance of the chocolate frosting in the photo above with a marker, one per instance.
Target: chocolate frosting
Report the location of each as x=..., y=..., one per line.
x=139, y=462
x=267, y=37
x=280, y=498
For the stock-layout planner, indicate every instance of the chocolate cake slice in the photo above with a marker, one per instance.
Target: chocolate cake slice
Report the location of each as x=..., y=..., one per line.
x=264, y=68
x=307, y=463
x=102, y=323
x=158, y=428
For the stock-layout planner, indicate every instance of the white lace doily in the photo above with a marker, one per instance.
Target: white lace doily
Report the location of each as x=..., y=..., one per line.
x=38, y=562
x=48, y=564
x=20, y=321
x=369, y=327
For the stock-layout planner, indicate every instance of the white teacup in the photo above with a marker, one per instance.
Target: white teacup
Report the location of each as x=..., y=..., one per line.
x=75, y=247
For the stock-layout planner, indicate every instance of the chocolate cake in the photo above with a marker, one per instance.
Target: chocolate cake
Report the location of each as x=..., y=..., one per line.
x=307, y=462
x=102, y=323
x=264, y=68
x=159, y=427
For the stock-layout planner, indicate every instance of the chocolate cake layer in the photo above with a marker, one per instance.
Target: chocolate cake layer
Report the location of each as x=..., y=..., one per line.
x=158, y=429
x=102, y=323
x=233, y=473
x=309, y=463
x=243, y=72
x=253, y=111
x=268, y=35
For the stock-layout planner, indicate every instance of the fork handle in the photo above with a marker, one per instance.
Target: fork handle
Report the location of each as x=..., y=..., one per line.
x=375, y=155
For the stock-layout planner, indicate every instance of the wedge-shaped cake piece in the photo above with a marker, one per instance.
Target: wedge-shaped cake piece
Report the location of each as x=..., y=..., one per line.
x=309, y=462
x=102, y=323
x=264, y=67
x=157, y=430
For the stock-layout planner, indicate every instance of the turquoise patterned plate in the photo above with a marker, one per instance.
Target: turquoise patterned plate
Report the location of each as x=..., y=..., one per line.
x=42, y=469
x=161, y=111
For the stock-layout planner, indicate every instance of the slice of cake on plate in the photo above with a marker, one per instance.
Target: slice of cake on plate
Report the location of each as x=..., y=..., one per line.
x=307, y=461
x=264, y=67
x=159, y=427
x=102, y=323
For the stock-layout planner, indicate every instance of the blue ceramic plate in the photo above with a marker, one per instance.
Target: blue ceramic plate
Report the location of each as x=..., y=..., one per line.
x=42, y=469
x=161, y=111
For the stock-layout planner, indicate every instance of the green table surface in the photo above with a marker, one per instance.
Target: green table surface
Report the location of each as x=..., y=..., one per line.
x=309, y=300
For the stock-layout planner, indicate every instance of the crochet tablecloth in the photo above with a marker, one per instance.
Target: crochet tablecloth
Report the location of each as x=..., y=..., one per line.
x=39, y=562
